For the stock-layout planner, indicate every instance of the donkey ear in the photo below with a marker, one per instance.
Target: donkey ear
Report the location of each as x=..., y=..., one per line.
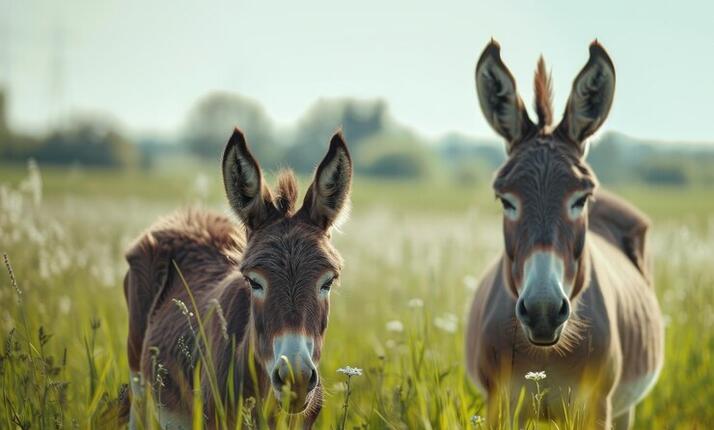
x=591, y=97
x=499, y=100
x=243, y=181
x=328, y=195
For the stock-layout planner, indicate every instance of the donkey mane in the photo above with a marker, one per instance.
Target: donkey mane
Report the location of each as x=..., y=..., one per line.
x=543, y=102
x=286, y=191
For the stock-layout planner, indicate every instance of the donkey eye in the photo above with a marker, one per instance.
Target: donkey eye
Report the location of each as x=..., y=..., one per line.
x=580, y=203
x=254, y=285
x=507, y=205
x=327, y=284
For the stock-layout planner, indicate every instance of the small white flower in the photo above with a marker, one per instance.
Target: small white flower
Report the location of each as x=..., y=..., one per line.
x=535, y=376
x=477, y=420
x=201, y=185
x=350, y=371
x=470, y=282
x=395, y=325
x=447, y=322
x=65, y=305
x=416, y=303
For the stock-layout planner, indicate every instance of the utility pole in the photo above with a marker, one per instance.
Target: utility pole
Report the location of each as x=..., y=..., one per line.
x=5, y=63
x=57, y=78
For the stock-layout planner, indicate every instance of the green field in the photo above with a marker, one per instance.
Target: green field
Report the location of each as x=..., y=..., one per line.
x=63, y=329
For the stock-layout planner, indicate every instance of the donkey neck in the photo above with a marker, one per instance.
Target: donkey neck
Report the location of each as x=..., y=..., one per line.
x=250, y=370
x=233, y=349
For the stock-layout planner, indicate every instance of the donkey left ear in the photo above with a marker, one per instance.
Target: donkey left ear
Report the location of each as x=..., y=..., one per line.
x=590, y=99
x=328, y=195
x=499, y=99
x=243, y=181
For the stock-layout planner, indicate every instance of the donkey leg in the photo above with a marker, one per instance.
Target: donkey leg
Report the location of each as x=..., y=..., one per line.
x=171, y=420
x=626, y=420
x=599, y=417
x=494, y=411
x=144, y=280
x=136, y=412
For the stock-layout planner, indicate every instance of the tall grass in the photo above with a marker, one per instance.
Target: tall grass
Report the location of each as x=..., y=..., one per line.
x=398, y=315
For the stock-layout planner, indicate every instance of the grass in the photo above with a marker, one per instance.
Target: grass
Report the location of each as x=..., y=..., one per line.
x=413, y=252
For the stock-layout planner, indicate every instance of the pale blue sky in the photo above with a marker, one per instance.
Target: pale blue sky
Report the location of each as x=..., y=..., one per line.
x=146, y=62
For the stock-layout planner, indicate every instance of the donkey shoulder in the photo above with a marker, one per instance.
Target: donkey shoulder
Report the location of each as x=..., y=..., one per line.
x=191, y=238
x=490, y=325
x=624, y=226
x=202, y=243
x=190, y=228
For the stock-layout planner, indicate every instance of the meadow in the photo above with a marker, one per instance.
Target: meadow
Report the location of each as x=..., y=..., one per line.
x=413, y=251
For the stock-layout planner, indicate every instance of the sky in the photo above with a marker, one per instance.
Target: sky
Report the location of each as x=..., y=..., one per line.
x=146, y=63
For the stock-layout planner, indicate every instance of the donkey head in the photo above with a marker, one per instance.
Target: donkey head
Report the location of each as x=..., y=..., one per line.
x=545, y=185
x=289, y=262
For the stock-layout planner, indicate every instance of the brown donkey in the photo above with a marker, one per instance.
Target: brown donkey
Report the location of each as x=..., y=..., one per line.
x=262, y=293
x=572, y=293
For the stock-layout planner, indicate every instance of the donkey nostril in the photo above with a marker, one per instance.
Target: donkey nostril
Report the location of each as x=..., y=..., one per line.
x=312, y=383
x=564, y=311
x=521, y=310
x=277, y=380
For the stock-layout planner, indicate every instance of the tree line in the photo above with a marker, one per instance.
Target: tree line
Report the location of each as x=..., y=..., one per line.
x=380, y=146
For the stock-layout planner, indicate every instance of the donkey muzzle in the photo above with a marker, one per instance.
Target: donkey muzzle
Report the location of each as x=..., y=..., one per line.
x=543, y=307
x=543, y=317
x=293, y=374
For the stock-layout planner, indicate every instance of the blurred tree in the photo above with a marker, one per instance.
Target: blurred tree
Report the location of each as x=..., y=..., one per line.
x=359, y=119
x=664, y=172
x=90, y=141
x=211, y=122
x=457, y=148
x=397, y=156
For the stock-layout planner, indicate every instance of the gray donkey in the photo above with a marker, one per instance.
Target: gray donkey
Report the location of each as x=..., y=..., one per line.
x=572, y=293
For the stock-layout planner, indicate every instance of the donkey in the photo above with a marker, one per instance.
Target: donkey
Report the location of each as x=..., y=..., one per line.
x=261, y=289
x=571, y=294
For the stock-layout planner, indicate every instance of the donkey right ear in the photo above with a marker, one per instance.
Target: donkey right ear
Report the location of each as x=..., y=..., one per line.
x=590, y=99
x=243, y=181
x=499, y=100
x=328, y=196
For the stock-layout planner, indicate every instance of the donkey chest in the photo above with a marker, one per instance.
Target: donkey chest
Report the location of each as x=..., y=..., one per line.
x=584, y=367
x=572, y=382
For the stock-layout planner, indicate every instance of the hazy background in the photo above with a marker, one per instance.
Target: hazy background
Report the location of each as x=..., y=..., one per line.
x=129, y=83
x=146, y=63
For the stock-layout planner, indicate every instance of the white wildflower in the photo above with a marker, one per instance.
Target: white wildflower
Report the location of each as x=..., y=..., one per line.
x=447, y=322
x=477, y=420
x=201, y=186
x=470, y=282
x=395, y=325
x=65, y=304
x=350, y=371
x=416, y=303
x=535, y=376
